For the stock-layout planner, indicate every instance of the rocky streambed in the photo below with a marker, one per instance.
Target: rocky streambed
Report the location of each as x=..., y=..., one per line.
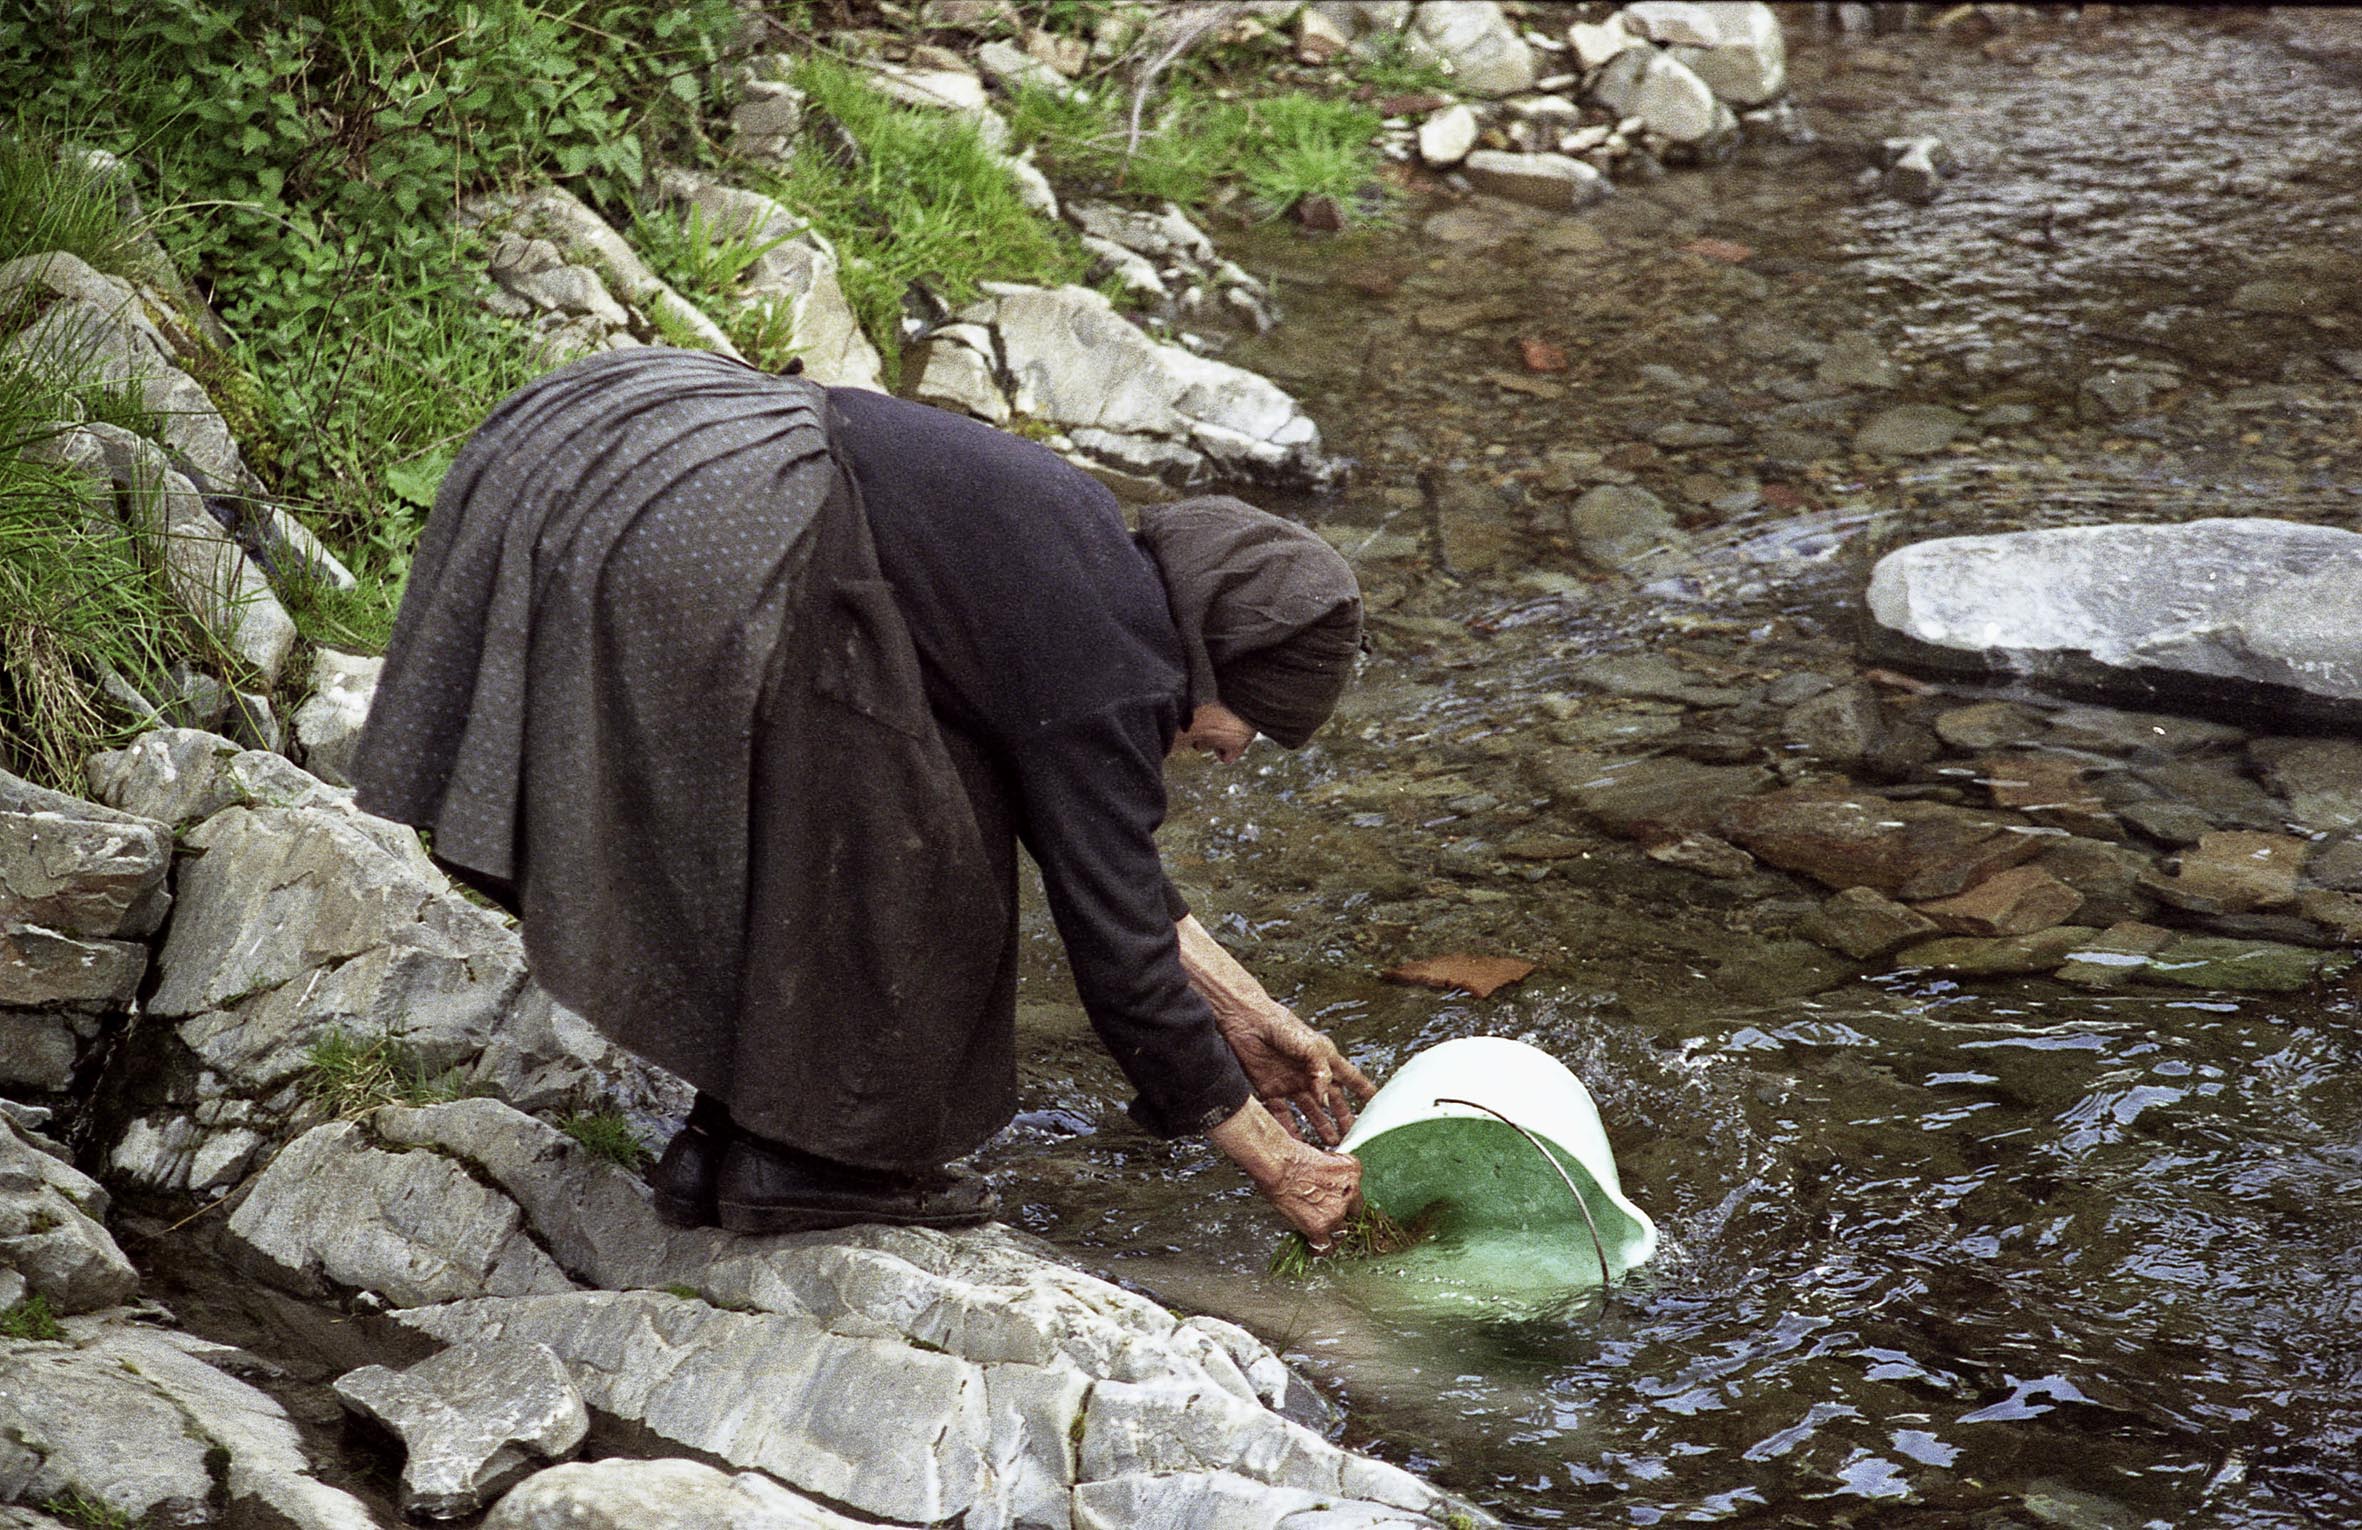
x=1975, y=1211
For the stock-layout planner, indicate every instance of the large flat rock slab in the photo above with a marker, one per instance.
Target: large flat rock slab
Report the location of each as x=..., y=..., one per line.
x=2253, y=615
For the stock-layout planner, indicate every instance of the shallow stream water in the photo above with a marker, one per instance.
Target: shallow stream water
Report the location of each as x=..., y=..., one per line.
x=1937, y=1252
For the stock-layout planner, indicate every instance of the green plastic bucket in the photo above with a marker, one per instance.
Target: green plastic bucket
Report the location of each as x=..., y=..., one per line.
x=1499, y=1147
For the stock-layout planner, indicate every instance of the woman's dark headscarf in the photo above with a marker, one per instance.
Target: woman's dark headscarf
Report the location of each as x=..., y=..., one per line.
x=1269, y=613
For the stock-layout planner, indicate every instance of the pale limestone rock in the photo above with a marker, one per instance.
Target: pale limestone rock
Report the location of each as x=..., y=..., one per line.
x=328, y=723
x=52, y=1231
x=77, y=867
x=1554, y=181
x=1477, y=43
x=2214, y=607
x=955, y=368
x=1597, y=42
x=1663, y=93
x=554, y=214
x=621, y=1494
x=333, y=1214
x=473, y=1420
x=1745, y=58
x=1446, y=136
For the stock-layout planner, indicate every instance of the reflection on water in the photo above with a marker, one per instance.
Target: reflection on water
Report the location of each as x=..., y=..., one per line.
x=1934, y=1253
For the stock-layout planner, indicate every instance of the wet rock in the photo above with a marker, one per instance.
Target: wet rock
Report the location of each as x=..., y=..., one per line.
x=2049, y=789
x=2321, y=779
x=473, y=1420
x=2338, y=913
x=2216, y=789
x=1664, y=93
x=1476, y=43
x=1906, y=850
x=2121, y=392
x=2234, y=872
x=1910, y=430
x=1628, y=796
x=795, y=278
x=182, y=1443
x=2254, y=612
x=2279, y=295
x=1989, y=725
x=2009, y=956
x=1625, y=528
x=328, y=724
x=2107, y=876
x=620, y=1494
x=2115, y=956
x=1557, y=182
x=2166, y=821
x=1701, y=853
x=2018, y=901
x=1854, y=360
x=1653, y=677
x=1848, y=728
x=2337, y=864
x=1682, y=434
x=1917, y=170
x=1865, y=925
x=1446, y=136
x=334, y=1215
x=53, y=1236
x=2246, y=966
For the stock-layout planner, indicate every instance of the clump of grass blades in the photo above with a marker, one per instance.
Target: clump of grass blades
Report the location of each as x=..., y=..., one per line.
x=915, y=196
x=709, y=267
x=46, y=204
x=95, y=1513
x=31, y=1319
x=351, y=1076
x=78, y=606
x=1367, y=1233
x=607, y=1135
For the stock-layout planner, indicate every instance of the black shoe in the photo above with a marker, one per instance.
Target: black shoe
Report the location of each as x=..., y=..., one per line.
x=682, y=1183
x=767, y=1187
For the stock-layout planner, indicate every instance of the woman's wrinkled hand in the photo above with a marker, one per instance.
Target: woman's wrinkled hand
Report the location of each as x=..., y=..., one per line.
x=1315, y=1190
x=1289, y=1063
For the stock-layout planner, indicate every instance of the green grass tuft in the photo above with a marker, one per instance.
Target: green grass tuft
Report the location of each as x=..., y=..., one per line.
x=46, y=205
x=607, y=1135
x=350, y=1076
x=76, y=1509
x=920, y=199
x=31, y=1319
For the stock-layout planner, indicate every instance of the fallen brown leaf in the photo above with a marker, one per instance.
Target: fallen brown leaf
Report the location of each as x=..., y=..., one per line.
x=1479, y=975
x=1541, y=355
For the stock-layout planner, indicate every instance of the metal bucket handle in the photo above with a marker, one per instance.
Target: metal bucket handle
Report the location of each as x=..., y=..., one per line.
x=1598, y=1244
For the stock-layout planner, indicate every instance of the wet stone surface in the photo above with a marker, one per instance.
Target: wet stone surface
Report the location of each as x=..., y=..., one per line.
x=1962, y=1220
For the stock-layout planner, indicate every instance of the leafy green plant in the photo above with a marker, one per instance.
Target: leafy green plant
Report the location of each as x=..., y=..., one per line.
x=350, y=1076
x=31, y=1319
x=607, y=1135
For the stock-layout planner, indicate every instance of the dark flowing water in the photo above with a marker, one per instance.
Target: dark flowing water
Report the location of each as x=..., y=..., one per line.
x=1936, y=1252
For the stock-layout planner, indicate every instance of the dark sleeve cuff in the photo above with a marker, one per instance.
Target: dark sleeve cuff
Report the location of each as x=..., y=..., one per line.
x=1198, y=1112
x=1176, y=906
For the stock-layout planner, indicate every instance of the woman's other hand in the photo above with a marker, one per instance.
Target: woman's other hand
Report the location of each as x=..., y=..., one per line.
x=1315, y=1190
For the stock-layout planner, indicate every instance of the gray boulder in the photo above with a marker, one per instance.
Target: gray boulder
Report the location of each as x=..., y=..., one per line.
x=958, y=367
x=53, y=1237
x=180, y=1441
x=1737, y=49
x=1476, y=42
x=1558, y=182
x=1137, y=411
x=1665, y=94
x=2254, y=613
x=473, y=1420
x=581, y=237
x=328, y=722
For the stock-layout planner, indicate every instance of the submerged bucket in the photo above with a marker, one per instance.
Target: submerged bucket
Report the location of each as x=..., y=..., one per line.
x=1490, y=1142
